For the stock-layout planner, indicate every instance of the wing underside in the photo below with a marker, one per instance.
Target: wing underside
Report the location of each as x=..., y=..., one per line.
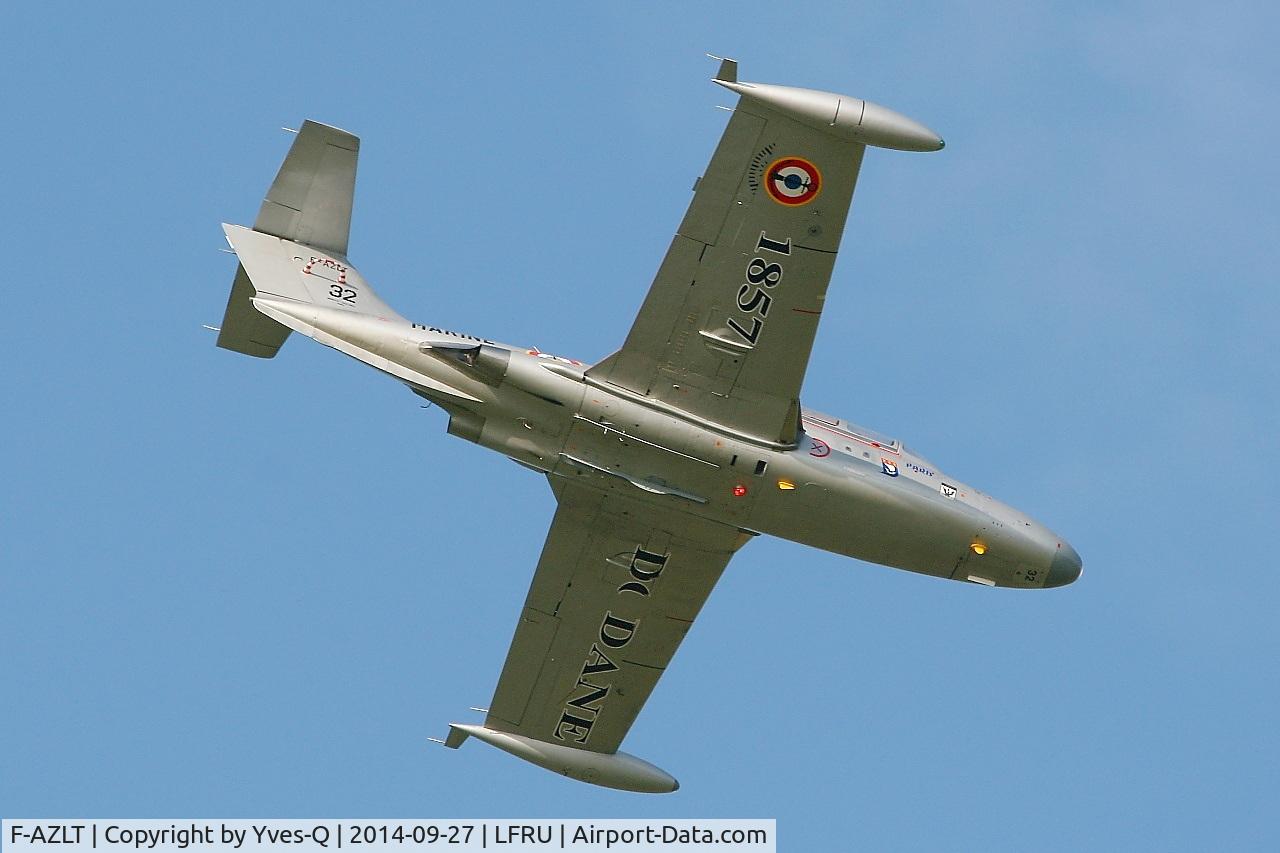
x=618, y=585
x=727, y=327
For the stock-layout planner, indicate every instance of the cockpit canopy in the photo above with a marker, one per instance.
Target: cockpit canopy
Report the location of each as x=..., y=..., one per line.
x=863, y=435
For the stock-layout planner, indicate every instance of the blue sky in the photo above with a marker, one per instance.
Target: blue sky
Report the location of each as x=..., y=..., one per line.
x=243, y=588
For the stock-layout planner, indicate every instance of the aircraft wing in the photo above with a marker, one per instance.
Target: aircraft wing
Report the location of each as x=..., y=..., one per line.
x=618, y=585
x=727, y=327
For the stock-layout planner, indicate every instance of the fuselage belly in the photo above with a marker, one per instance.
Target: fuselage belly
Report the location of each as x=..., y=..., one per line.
x=841, y=489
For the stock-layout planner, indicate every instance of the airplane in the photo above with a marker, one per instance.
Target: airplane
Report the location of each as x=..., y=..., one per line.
x=669, y=455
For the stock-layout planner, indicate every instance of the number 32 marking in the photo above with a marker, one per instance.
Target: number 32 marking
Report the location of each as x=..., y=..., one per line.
x=346, y=294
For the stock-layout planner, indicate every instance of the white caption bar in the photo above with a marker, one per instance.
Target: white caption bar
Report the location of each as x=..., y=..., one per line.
x=366, y=836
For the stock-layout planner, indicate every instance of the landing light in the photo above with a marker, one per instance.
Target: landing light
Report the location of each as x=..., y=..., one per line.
x=739, y=490
x=786, y=485
x=978, y=548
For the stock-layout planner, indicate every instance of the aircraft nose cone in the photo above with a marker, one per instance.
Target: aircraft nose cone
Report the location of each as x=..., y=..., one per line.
x=1065, y=567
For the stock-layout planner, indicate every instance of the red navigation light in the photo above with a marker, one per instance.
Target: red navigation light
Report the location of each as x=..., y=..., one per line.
x=739, y=490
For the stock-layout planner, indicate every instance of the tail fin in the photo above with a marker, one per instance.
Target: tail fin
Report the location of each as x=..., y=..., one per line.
x=310, y=200
x=309, y=203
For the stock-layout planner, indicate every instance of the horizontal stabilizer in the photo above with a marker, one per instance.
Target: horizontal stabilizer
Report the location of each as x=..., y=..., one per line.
x=288, y=269
x=310, y=200
x=244, y=328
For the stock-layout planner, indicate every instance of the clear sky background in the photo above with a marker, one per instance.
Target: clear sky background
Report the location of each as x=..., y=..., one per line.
x=234, y=587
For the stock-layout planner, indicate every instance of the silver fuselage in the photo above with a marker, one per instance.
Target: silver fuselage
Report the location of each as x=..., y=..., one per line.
x=840, y=488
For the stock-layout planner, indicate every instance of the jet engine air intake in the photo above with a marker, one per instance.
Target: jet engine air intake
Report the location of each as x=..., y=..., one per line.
x=487, y=362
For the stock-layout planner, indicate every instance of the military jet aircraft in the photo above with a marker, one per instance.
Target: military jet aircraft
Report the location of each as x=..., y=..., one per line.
x=669, y=455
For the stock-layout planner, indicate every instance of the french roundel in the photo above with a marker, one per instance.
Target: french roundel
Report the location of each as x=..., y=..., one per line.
x=793, y=181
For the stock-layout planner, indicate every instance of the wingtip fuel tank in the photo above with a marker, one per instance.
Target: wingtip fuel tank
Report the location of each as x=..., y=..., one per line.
x=854, y=119
x=619, y=770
